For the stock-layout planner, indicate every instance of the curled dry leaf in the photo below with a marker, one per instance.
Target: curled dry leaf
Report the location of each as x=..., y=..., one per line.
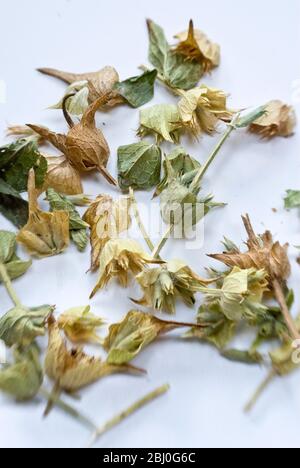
x=136, y=331
x=99, y=83
x=21, y=325
x=45, y=234
x=78, y=102
x=195, y=45
x=107, y=219
x=162, y=121
x=80, y=325
x=14, y=266
x=263, y=254
x=23, y=379
x=118, y=258
x=162, y=286
x=202, y=108
x=72, y=370
x=62, y=176
x=279, y=119
x=84, y=146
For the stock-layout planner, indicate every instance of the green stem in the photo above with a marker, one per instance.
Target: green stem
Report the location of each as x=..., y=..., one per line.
x=128, y=412
x=8, y=285
x=202, y=171
x=163, y=241
x=270, y=377
x=69, y=410
x=139, y=220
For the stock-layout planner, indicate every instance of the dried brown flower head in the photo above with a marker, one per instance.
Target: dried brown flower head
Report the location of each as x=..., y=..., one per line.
x=263, y=254
x=195, y=45
x=99, y=83
x=278, y=120
x=45, y=234
x=84, y=146
x=62, y=176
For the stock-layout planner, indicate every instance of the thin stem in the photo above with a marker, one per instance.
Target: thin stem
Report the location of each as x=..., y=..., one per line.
x=139, y=221
x=128, y=412
x=163, y=241
x=280, y=297
x=8, y=285
x=65, y=111
x=270, y=377
x=69, y=410
x=202, y=171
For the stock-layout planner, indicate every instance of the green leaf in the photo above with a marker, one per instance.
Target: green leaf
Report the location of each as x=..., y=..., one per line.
x=138, y=90
x=176, y=164
x=17, y=159
x=78, y=227
x=218, y=330
x=139, y=166
x=12, y=205
x=23, y=379
x=292, y=199
x=175, y=69
x=248, y=119
x=21, y=325
x=162, y=121
x=13, y=265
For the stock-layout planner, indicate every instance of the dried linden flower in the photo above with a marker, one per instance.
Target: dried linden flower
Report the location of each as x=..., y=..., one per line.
x=118, y=258
x=80, y=325
x=278, y=120
x=62, y=176
x=163, y=285
x=45, y=234
x=195, y=45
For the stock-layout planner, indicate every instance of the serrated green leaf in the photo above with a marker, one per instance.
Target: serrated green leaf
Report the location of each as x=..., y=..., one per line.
x=139, y=166
x=80, y=239
x=138, y=90
x=7, y=246
x=162, y=121
x=292, y=199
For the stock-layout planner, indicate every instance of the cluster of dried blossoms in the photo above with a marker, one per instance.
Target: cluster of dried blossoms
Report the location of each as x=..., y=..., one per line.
x=242, y=295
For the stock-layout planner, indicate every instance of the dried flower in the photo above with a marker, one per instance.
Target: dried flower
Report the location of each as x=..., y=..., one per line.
x=72, y=370
x=263, y=254
x=117, y=259
x=107, y=219
x=78, y=227
x=195, y=45
x=202, y=108
x=84, y=146
x=163, y=285
x=23, y=379
x=99, y=83
x=278, y=120
x=136, y=331
x=62, y=176
x=45, y=234
x=80, y=325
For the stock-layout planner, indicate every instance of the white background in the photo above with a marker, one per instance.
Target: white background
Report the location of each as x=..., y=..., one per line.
x=260, y=61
